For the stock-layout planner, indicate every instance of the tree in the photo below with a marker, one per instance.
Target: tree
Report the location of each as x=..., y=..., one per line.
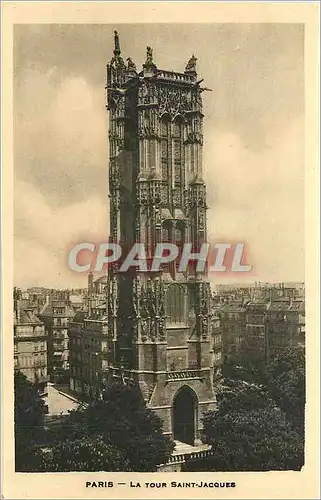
x=283, y=377
x=285, y=382
x=87, y=454
x=120, y=421
x=250, y=433
x=245, y=368
x=29, y=409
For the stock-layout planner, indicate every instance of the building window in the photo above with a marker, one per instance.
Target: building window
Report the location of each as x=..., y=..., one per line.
x=164, y=128
x=179, y=234
x=176, y=129
x=166, y=238
x=176, y=305
x=151, y=154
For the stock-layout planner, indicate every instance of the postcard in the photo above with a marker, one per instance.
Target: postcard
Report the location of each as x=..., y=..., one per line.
x=160, y=203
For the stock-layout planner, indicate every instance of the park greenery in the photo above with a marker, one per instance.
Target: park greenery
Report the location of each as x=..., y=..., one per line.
x=258, y=425
x=116, y=433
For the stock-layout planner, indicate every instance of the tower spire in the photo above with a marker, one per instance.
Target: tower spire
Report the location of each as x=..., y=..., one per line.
x=117, y=61
x=117, y=44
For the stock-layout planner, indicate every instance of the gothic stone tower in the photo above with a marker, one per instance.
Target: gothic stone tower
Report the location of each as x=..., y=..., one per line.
x=160, y=323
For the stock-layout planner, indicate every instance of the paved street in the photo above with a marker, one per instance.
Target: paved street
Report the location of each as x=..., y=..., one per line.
x=58, y=403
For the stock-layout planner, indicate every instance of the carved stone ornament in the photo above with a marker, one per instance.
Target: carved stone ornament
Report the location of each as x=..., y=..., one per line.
x=131, y=66
x=143, y=195
x=158, y=219
x=173, y=101
x=193, y=137
x=149, y=55
x=205, y=325
x=191, y=65
x=146, y=132
x=145, y=328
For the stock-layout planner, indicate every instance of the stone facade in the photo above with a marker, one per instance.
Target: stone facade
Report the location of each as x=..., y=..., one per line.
x=261, y=329
x=88, y=343
x=160, y=325
x=30, y=344
x=233, y=325
x=56, y=315
x=285, y=326
x=88, y=355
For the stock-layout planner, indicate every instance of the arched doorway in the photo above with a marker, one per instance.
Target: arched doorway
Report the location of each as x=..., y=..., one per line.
x=184, y=415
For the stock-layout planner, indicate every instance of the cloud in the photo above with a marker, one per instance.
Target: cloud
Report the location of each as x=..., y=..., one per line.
x=44, y=239
x=254, y=137
x=257, y=197
x=61, y=136
x=253, y=197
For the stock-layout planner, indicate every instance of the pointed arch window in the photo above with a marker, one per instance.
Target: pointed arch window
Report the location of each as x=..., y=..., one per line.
x=165, y=124
x=176, y=305
x=179, y=240
x=166, y=231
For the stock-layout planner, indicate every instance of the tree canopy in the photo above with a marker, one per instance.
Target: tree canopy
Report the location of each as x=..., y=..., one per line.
x=116, y=433
x=283, y=377
x=122, y=420
x=29, y=409
x=285, y=382
x=259, y=424
x=87, y=454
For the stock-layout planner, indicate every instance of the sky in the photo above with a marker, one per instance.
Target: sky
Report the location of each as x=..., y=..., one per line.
x=253, y=157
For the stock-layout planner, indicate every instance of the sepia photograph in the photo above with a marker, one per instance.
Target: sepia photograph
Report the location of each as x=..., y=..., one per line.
x=159, y=255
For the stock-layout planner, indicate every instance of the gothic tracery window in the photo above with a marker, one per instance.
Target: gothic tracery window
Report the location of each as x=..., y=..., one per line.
x=164, y=128
x=177, y=151
x=176, y=129
x=179, y=240
x=179, y=235
x=151, y=154
x=164, y=148
x=167, y=238
x=175, y=305
x=165, y=235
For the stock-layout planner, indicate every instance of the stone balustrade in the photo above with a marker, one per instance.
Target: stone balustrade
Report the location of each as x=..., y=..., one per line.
x=184, y=457
x=168, y=75
x=183, y=375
